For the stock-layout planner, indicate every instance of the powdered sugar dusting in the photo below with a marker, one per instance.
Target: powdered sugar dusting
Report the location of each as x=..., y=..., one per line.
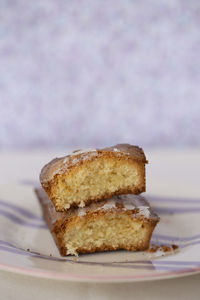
x=75, y=160
x=66, y=159
x=82, y=151
x=82, y=204
x=137, y=204
x=109, y=204
x=144, y=210
x=81, y=212
x=61, y=165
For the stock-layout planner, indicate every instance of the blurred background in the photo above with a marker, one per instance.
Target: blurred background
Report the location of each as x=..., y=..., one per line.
x=94, y=73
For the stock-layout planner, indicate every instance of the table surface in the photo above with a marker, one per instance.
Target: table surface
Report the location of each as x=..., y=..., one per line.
x=180, y=167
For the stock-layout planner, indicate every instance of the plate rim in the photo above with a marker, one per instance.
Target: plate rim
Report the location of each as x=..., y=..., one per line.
x=98, y=278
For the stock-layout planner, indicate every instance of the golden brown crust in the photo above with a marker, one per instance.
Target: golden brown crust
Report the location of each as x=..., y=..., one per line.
x=63, y=164
x=59, y=222
x=134, y=152
x=59, y=167
x=142, y=247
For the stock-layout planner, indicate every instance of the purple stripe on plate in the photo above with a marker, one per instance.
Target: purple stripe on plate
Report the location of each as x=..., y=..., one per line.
x=17, y=220
x=29, y=253
x=188, y=263
x=23, y=211
x=16, y=251
x=176, y=210
x=189, y=244
x=116, y=265
x=24, y=253
x=165, y=262
x=175, y=238
x=172, y=199
x=19, y=251
x=7, y=244
x=180, y=245
x=147, y=265
x=33, y=183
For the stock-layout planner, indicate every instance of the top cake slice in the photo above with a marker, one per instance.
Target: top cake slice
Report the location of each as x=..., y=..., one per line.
x=94, y=174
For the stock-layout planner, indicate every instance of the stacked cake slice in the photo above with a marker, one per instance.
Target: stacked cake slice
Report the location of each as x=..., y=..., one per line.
x=90, y=200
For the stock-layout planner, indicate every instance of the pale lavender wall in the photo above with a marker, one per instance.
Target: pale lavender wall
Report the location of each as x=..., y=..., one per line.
x=84, y=73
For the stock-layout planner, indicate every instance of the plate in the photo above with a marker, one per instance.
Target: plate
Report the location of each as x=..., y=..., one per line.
x=27, y=247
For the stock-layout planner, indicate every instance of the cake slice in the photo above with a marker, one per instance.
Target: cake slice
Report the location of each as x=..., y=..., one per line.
x=93, y=175
x=122, y=222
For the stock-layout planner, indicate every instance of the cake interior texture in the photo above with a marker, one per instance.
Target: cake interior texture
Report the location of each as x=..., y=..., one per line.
x=107, y=231
x=122, y=222
x=97, y=179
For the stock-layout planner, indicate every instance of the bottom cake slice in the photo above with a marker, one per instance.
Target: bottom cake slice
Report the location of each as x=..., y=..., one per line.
x=122, y=222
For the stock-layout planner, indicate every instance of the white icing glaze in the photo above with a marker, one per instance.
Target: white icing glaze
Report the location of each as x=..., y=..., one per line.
x=144, y=210
x=70, y=160
x=89, y=155
x=81, y=212
x=82, y=204
x=67, y=206
x=129, y=202
x=66, y=159
x=74, y=160
x=109, y=204
x=82, y=151
x=61, y=165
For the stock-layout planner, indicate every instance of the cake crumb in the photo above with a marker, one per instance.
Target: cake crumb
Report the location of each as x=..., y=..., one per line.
x=175, y=247
x=154, y=248
x=166, y=248
x=75, y=259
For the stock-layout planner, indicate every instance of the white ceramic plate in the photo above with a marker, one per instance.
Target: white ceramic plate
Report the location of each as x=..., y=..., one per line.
x=27, y=247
